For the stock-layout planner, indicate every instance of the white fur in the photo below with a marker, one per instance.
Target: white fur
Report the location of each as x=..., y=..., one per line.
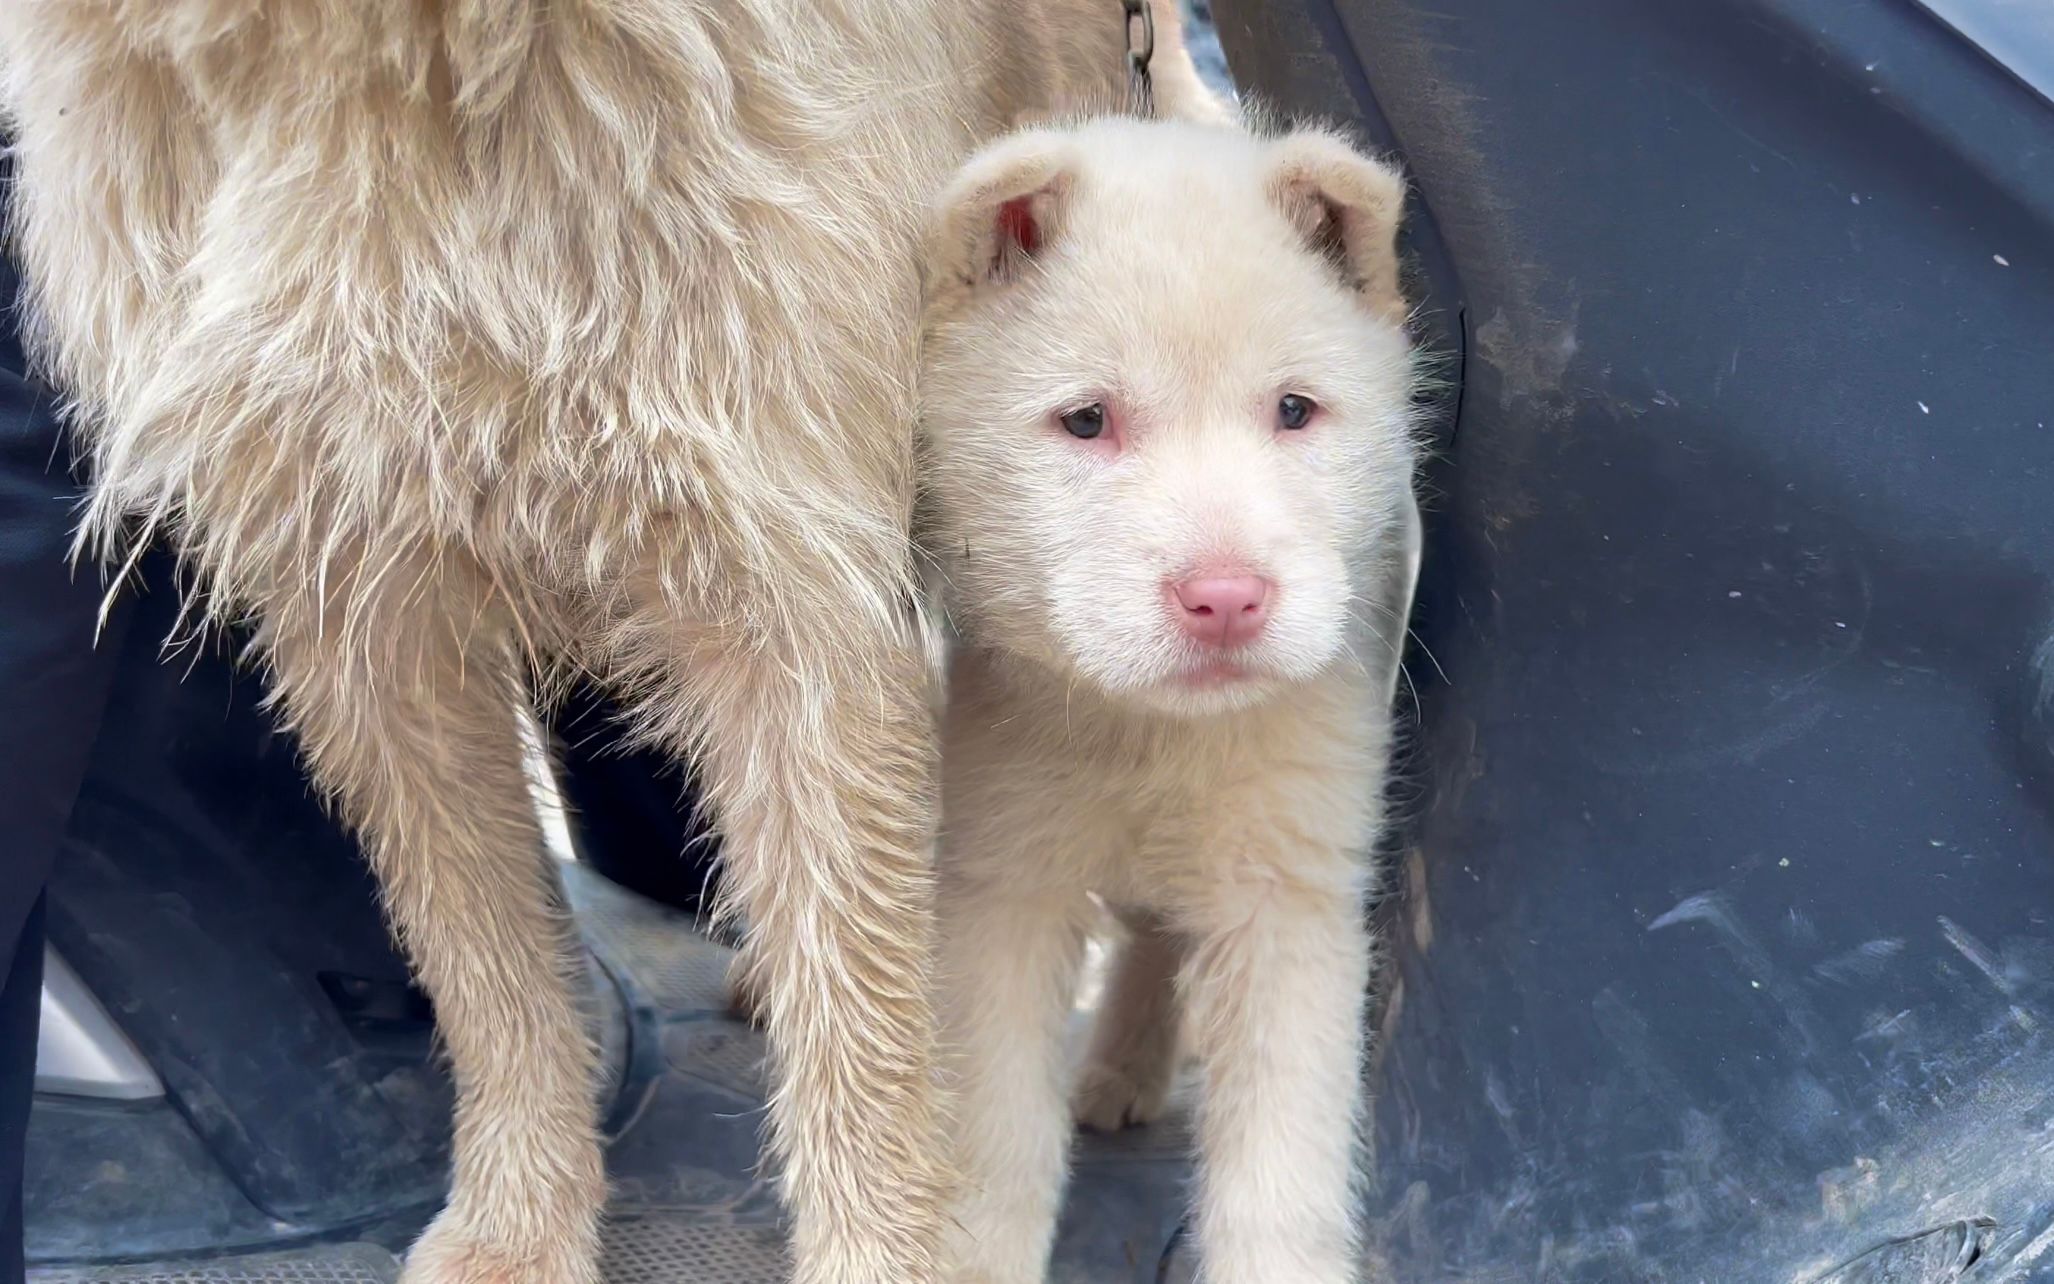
x=1188, y=276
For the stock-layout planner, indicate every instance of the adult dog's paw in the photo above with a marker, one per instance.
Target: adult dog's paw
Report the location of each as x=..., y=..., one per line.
x=450, y=1252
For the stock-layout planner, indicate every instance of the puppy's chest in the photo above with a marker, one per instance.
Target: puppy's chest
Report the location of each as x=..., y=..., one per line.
x=1140, y=813
x=1158, y=829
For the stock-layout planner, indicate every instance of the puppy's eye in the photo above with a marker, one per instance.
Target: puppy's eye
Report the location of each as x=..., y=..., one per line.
x=1294, y=411
x=1085, y=422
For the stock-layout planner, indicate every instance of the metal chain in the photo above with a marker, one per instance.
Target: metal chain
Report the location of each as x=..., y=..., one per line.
x=1140, y=23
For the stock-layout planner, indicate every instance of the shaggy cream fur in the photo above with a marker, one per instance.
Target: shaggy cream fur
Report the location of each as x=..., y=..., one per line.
x=455, y=342
x=1180, y=284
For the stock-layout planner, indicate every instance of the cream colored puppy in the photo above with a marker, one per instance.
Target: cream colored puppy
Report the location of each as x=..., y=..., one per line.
x=1170, y=436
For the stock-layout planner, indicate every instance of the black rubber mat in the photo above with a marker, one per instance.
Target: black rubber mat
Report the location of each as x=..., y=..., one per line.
x=331, y=1264
x=691, y=1202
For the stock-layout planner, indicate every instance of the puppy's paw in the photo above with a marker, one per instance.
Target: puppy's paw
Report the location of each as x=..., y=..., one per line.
x=1123, y=1094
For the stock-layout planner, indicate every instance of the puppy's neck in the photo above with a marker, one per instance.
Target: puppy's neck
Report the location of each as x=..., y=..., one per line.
x=1002, y=685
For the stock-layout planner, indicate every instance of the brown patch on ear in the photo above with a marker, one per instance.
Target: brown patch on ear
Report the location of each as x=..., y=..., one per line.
x=1002, y=211
x=1346, y=209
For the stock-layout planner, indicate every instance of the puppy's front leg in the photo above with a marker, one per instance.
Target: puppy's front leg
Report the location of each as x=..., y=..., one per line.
x=1009, y=965
x=1277, y=986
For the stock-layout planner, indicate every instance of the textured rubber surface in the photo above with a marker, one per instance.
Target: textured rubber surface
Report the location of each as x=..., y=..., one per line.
x=1721, y=948
x=334, y=1264
x=641, y=1250
x=666, y=1250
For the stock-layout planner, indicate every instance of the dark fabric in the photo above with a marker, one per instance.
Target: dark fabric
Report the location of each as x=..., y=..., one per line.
x=53, y=688
x=21, y=986
x=53, y=679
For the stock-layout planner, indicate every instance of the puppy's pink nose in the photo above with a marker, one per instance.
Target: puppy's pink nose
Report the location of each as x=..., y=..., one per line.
x=1222, y=610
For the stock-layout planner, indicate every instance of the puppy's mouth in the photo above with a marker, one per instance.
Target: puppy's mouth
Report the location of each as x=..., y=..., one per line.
x=1212, y=672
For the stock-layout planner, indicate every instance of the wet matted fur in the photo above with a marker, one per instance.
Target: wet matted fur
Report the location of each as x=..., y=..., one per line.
x=451, y=341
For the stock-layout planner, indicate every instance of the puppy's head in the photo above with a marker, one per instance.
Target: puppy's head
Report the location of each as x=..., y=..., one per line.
x=1167, y=398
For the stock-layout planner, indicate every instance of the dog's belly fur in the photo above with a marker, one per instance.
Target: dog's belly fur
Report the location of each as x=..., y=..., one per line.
x=556, y=289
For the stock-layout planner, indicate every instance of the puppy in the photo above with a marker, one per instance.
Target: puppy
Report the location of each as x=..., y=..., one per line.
x=1169, y=435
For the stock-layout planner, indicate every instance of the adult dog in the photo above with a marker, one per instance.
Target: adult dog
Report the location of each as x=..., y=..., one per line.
x=455, y=341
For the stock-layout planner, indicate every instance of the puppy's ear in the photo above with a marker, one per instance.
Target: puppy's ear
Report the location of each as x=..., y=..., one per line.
x=1001, y=212
x=1346, y=208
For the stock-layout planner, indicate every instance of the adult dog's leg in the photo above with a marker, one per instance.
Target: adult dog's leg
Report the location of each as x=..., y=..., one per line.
x=816, y=751
x=1132, y=1065
x=405, y=708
